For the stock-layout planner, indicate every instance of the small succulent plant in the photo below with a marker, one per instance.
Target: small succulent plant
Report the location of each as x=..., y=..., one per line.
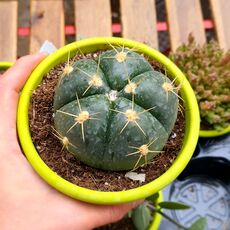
x=142, y=215
x=114, y=112
x=207, y=68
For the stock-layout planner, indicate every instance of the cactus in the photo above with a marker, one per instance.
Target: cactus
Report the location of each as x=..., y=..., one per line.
x=114, y=112
x=207, y=68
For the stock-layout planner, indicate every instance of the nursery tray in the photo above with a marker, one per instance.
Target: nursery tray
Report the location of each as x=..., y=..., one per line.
x=204, y=185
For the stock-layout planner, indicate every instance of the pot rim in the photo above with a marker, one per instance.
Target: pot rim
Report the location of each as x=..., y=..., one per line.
x=192, y=118
x=5, y=65
x=214, y=133
x=156, y=216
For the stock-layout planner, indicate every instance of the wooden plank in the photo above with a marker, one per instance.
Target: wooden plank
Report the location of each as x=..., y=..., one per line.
x=184, y=17
x=221, y=14
x=47, y=23
x=93, y=18
x=139, y=21
x=8, y=30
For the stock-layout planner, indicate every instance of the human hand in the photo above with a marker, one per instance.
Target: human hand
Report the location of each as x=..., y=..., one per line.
x=26, y=202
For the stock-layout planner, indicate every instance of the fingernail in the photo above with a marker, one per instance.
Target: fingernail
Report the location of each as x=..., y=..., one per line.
x=43, y=53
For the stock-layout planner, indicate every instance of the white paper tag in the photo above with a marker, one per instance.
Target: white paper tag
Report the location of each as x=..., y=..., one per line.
x=135, y=176
x=48, y=47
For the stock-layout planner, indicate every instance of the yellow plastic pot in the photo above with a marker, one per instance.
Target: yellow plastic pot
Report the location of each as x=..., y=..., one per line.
x=93, y=196
x=5, y=65
x=156, y=216
x=214, y=133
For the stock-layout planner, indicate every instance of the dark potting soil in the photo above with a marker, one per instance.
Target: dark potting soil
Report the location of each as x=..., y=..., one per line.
x=67, y=166
x=124, y=224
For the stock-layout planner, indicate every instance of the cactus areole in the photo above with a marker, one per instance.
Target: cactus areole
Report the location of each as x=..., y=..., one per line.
x=114, y=112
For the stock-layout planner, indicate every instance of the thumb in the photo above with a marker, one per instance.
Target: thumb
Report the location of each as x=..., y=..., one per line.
x=112, y=213
x=15, y=77
x=11, y=83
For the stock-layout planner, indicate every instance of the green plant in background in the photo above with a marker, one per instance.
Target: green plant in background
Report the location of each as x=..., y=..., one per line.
x=142, y=215
x=207, y=68
x=114, y=111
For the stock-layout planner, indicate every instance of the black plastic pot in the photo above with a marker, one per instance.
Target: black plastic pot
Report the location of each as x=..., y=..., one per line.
x=204, y=185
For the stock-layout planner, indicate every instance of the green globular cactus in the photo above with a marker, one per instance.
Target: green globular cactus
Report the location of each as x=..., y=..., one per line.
x=114, y=112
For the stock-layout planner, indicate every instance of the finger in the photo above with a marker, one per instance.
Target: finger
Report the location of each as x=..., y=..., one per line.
x=10, y=84
x=15, y=77
x=103, y=215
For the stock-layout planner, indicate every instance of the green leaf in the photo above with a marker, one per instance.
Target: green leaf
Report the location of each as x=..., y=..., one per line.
x=141, y=217
x=130, y=214
x=173, y=205
x=199, y=224
x=153, y=198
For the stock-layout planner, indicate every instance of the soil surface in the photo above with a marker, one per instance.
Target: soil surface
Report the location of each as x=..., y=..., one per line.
x=124, y=224
x=67, y=166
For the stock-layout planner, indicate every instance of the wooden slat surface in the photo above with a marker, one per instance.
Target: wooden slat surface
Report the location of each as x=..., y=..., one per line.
x=47, y=23
x=221, y=14
x=184, y=17
x=93, y=18
x=139, y=21
x=8, y=30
